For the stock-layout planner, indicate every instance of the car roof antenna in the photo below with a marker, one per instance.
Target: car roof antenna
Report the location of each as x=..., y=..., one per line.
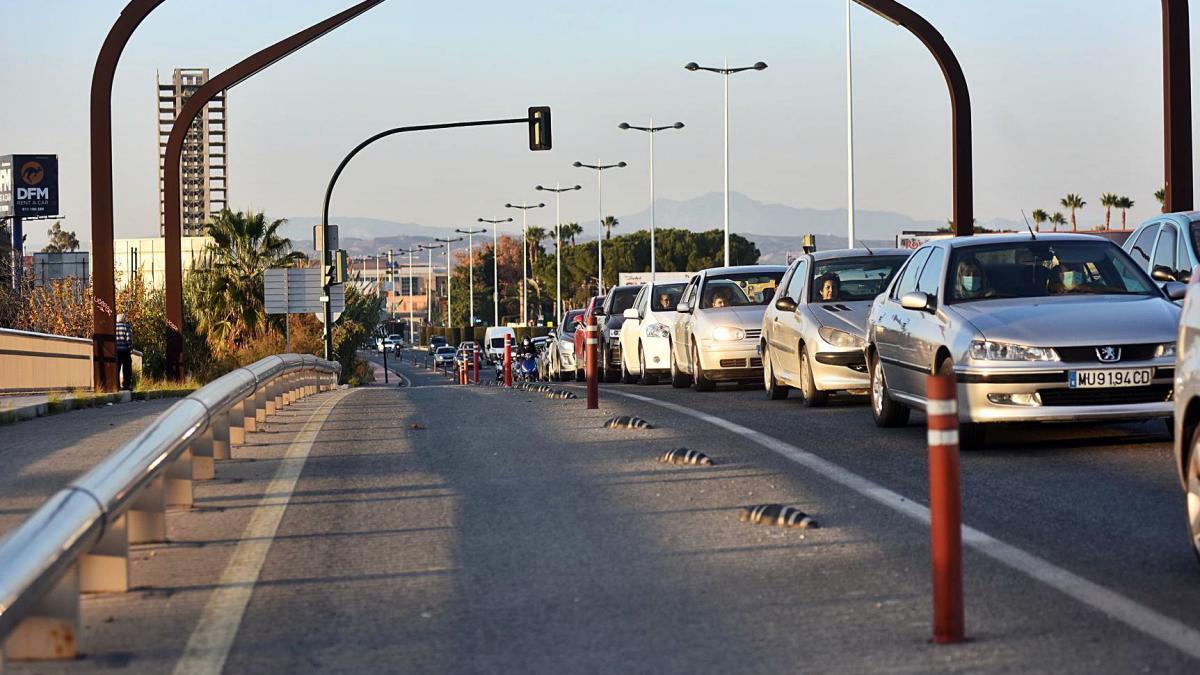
x=1028, y=226
x=864, y=245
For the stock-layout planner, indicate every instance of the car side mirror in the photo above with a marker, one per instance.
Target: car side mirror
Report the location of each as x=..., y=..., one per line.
x=631, y=313
x=922, y=302
x=1183, y=276
x=1175, y=290
x=1163, y=273
x=682, y=308
x=785, y=304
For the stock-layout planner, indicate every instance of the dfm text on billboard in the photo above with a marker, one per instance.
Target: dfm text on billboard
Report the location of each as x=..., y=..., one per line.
x=28, y=186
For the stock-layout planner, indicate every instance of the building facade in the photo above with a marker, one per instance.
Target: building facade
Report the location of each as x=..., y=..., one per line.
x=204, y=167
x=51, y=267
x=147, y=258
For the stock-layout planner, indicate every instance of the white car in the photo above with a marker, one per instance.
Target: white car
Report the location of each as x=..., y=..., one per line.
x=646, y=333
x=493, y=341
x=1187, y=406
x=715, y=337
x=561, y=350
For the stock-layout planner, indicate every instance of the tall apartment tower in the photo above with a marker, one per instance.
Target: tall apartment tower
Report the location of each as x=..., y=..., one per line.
x=204, y=166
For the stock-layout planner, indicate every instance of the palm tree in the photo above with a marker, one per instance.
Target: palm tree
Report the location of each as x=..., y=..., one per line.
x=608, y=224
x=570, y=231
x=1072, y=201
x=535, y=235
x=1058, y=219
x=229, y=291
x=1123, y=203
x=1161, y=195
x=1108, y=200
x=1039, y=216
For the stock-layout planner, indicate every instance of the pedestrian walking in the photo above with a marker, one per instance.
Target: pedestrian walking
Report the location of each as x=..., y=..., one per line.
x=125, y=352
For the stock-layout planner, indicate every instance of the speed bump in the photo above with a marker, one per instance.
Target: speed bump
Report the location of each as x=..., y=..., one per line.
x=627, y=422
x=685, y=456
x=560, y=395
x=777, y=514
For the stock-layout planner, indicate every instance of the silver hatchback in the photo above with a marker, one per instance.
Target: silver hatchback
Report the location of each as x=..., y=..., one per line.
x=1054, y=328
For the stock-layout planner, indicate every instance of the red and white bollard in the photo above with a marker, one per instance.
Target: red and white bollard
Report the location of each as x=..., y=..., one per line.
x=945, y=508
x=591, y=348
x=508, y=360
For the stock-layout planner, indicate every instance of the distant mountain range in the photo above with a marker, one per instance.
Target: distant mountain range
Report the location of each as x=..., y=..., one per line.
x=775, y=228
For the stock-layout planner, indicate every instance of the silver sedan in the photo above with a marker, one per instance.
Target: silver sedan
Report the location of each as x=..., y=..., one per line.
x=813, y=333
x=1058, y=328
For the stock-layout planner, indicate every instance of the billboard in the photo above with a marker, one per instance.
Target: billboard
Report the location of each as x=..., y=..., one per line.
x=28, y=186
x=635, y=278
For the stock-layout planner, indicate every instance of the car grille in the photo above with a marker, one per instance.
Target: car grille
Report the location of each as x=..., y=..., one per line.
x=753, y=333
x=755, y=362
x=1140, y=352
x=733, y=363
x=1115, y=396
x=615, y=355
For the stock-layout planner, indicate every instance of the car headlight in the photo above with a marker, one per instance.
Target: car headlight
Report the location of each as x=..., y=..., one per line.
x=728, y=333
x=986, y=350
x=840, y=338
x=658, y=330
x=614, y=332
x=1165, y=349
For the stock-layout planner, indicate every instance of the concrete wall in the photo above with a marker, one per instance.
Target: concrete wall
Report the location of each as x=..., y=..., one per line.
x=36, y=362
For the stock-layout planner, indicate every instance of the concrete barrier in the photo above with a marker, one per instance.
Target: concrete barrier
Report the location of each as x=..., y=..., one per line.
x=37, y=362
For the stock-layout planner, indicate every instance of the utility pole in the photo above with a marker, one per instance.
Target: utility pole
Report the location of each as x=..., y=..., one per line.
x=495, y=265
x=524, y=255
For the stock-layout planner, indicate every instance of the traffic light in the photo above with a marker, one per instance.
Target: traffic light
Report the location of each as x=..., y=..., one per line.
x=539, y=128
x=330, y=276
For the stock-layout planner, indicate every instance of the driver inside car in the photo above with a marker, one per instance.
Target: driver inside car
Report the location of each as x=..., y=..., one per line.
x=970, y=281
x=829, y=288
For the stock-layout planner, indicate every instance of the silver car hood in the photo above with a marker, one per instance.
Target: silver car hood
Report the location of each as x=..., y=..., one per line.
x=847, y=316
x=1073, y=321
x=748, y=316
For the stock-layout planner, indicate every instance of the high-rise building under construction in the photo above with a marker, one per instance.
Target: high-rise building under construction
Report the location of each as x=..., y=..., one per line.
x=204, y=165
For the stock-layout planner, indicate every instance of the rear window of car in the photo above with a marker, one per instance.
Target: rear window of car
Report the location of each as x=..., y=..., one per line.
x=622, y=300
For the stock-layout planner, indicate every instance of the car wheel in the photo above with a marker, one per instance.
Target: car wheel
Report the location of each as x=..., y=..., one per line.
x=679, y=379
x=1192, y=480
x=885, y=411
x=644, y=376
x=971, y=435
x=813, y=397
x=775, y=391
x=626, y=376
x=555, y=374
x=701, y=382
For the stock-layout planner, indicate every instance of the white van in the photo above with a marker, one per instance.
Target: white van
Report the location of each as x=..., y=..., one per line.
x=493, y=342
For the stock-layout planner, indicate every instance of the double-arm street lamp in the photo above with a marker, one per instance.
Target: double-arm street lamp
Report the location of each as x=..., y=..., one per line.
x=495, y=265
x=651, y=131
x=558, y=190
x=471, y=272
x=449, y=278
x=391, y=283
x=524, y=253
x=429, y=284
x=412, y=339
x=725, y=72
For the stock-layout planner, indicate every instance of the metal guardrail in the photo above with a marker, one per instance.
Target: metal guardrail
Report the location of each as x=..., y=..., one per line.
x=78, y=540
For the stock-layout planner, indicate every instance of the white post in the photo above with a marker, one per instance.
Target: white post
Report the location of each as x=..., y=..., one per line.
x=600, y=224
x=849, y=136
x=412, y=335
x=429, y=291
x=471, y=279
x=726, y=205
x=391, y=284
x=653, y=262
x=449, y=284
x=496, y=274
x=558, y=255
x=524, y=268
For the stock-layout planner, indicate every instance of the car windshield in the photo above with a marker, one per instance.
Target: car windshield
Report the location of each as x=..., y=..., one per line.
x=569, y=323
x=666, y=297
x=498, y=342
x=1035, y=269
x=849, y=279
x=736, y=290
x=445, y=350
x=622, y=300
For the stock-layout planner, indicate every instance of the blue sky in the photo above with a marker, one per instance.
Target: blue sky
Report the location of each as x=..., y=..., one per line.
x=1066, y=97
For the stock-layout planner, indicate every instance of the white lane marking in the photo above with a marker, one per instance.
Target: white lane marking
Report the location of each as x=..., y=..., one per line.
x=213, y=637
x=1136, y=616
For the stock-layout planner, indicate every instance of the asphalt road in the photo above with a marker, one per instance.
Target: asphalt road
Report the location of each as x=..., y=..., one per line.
x=439, y=528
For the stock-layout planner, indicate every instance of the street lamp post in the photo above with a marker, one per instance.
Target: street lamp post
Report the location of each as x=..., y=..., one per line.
x=471, y=272
x=558, y=190
x=495, y=265
x=447, y=242
x=725, y=72
x=411, y=333
x=429, y=285
x=650, y=131
x=524, y=254
x=391, y=284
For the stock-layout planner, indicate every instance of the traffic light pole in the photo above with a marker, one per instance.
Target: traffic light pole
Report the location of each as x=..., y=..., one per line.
x=538, y=120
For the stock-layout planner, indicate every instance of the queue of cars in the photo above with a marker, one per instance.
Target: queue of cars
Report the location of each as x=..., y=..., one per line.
x=1037, y=327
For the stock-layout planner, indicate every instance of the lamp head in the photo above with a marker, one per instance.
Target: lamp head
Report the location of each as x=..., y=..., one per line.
x=577, y=164
x=539, y=187
x=541, y=205
x=508, y=206
x=693, y=66
x=678, y=125
x=577, y=187
x=621, y=165
x=623, y=125
x=760, y=66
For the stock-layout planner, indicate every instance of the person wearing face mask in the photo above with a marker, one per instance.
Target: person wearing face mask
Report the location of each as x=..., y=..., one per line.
x=969, y=280
x=1068, y=278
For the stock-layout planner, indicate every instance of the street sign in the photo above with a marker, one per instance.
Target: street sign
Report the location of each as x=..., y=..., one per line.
x=291, y=290
x=318, y=244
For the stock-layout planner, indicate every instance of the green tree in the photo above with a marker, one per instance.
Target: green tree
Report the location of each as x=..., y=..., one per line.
x=1161, y=195
x=228, y=293
x=1072, y=201
x=608, y=224
x=1039, y=216
x=570, y=230
x=1108, y=200
x=61, y=241
x=1058, y=219
x=1123, y=203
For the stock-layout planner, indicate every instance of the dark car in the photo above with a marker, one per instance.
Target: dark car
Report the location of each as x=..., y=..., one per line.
x=436, y=342
x=619, y=299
